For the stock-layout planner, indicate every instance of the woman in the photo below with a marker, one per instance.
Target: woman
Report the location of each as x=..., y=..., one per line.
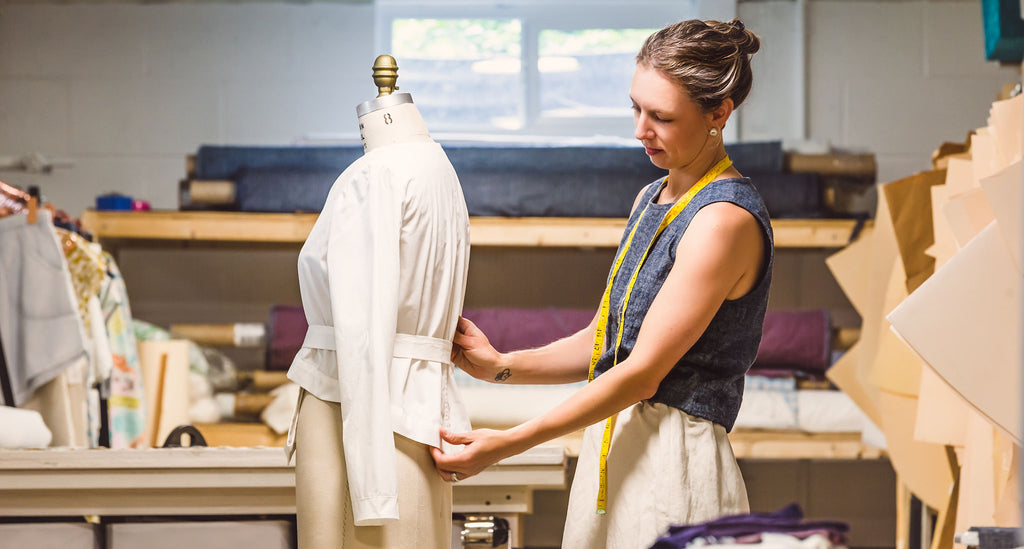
x=672, y=340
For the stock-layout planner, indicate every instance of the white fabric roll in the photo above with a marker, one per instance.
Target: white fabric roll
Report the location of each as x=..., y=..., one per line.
x=23, y=429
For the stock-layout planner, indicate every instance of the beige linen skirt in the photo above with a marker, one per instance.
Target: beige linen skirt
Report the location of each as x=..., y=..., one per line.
x=665, y=467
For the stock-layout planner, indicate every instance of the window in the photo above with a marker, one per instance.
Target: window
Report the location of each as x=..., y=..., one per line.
x=466, y=72
x=530, y=67
x=587, y=72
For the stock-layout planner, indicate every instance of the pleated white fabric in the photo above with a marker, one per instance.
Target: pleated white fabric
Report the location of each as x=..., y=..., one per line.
x=665, y=467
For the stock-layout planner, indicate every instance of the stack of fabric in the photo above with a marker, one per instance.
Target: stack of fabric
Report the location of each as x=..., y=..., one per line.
x=785, y=528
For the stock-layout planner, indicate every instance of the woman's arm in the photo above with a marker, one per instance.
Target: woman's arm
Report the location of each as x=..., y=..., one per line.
x=562, y=361
x=723, y=250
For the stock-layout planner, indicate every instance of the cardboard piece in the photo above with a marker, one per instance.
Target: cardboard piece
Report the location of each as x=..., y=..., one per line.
x=1004, y=191
x=923, y=467
x=173, y=400
x=965, y=322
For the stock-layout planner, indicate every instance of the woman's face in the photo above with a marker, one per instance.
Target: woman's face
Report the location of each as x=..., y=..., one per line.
x=671, y=126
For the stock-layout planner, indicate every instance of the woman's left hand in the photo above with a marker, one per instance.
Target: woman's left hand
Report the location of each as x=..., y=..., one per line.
x=483, y=448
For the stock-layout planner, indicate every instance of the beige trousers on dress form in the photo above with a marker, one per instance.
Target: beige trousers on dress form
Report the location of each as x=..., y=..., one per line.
x=324, y=513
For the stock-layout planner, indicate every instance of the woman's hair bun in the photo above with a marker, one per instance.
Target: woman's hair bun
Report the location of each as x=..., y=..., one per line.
x=747, y=42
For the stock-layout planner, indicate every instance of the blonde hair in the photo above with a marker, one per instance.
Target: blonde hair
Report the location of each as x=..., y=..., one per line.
x=709, y=59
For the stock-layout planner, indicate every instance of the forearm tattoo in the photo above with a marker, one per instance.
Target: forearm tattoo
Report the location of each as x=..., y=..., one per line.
x=503, y=375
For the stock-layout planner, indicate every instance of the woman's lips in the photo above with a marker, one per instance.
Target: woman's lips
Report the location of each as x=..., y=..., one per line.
x=651, y=152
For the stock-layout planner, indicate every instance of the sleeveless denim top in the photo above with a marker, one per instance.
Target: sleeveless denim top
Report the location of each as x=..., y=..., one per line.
x=707, y=381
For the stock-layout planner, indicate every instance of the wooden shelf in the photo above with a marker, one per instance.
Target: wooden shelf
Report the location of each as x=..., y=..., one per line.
x=484, y=231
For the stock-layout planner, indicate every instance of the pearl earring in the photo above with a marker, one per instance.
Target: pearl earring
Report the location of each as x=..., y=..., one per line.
x=713, y=132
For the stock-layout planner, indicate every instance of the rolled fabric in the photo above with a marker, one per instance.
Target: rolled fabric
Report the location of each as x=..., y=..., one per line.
x=23, y=429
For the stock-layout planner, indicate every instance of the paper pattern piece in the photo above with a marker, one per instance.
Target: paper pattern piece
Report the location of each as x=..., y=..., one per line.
x=923, y=467
x=945, y=244
x=1005, y=193
x=968, y=213
x=849, y=266
x=895, y=368
x=1006, y=118
x=941, y=412
x=965, y=322
x=910, y=208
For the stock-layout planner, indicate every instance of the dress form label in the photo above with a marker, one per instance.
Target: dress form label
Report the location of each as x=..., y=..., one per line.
x=391, y=125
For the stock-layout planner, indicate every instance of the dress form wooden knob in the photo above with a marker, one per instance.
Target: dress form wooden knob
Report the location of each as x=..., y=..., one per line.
x=385, y=74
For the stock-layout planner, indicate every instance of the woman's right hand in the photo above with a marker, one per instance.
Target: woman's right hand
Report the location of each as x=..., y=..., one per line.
x=474, y=354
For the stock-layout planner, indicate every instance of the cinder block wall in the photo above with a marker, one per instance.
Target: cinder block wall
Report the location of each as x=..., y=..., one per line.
x=895, y=78
x=127, y=90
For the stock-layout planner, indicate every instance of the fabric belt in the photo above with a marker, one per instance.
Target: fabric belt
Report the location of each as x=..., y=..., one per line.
x=416, y=347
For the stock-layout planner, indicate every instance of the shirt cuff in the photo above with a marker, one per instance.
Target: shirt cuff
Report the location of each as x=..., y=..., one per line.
x=375, y=511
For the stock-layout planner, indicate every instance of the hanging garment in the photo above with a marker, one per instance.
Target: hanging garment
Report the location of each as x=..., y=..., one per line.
x=382, y=276
x=88, y=269
x=126, y=413
x=40, y=325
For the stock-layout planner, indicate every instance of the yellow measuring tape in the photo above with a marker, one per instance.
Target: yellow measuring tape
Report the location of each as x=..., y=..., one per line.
x=602, y=320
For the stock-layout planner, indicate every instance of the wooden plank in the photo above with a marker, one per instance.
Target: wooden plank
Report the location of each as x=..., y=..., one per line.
x=814, y=233
x=595, y=232
x=756, y=444
x=484, y=231
x=226, y=226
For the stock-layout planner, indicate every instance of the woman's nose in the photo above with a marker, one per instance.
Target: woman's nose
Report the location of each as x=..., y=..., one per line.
x=642, y=130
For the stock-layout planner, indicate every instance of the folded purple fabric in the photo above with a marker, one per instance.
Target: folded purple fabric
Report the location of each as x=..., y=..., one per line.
x=795, y=340
x=835, y=538
x=789, y=519
x=512, y=329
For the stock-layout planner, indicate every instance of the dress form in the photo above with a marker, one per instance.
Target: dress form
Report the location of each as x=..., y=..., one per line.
x=390, y=117
x=324, y=515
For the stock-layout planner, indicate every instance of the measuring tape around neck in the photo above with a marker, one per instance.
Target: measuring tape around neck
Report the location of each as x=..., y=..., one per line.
x=602, y=321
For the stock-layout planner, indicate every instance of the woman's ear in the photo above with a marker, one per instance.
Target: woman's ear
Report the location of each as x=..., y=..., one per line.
x=720, y=114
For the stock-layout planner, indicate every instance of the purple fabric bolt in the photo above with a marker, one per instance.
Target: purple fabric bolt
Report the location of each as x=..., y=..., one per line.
x=795, y=340
x=512, y=329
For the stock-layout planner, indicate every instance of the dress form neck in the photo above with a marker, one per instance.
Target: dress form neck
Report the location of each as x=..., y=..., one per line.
x=388, y=120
